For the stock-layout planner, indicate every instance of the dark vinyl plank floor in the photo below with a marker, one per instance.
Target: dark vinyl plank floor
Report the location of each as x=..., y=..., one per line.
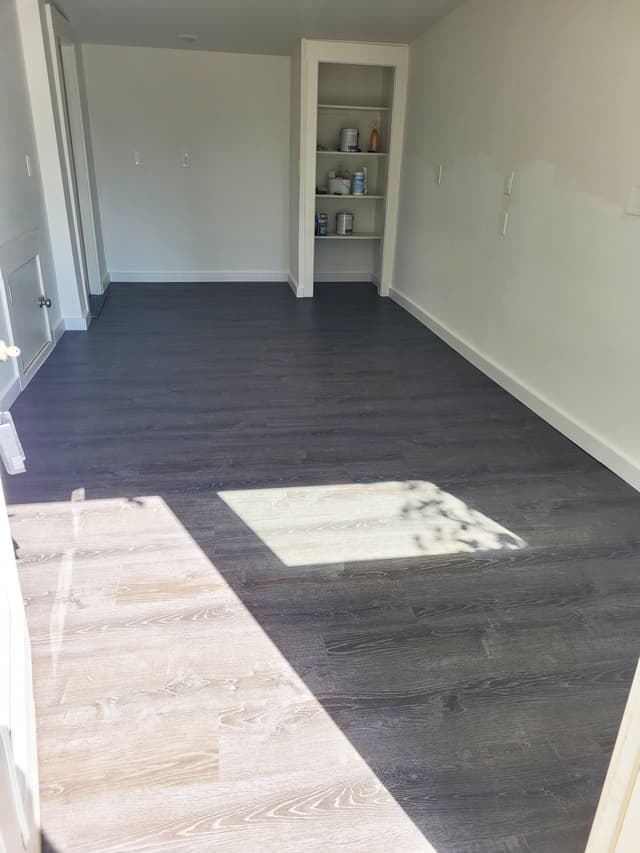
x=298, y=577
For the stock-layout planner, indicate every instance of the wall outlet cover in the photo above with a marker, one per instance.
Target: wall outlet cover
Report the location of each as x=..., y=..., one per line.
x=508, y=183
x=633, y=202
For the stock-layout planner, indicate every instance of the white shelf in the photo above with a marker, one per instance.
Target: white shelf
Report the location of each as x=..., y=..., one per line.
x=352, y=107
x=355, y=236
x=352, y=153
x=333, y=196
x=346, y=85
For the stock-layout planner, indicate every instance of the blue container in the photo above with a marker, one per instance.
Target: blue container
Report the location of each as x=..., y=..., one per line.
x=357, y=183
x=322, y=224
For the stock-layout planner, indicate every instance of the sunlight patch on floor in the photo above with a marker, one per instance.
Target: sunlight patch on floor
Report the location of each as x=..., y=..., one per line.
x=349, y=523
x=157, y=680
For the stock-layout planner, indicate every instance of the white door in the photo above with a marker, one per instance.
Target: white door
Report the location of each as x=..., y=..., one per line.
x=27, y=301
x=19, y=801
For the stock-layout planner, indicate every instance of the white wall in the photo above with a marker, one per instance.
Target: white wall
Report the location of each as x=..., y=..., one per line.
x=21, y=205
x=548, y=89
x=225, y=217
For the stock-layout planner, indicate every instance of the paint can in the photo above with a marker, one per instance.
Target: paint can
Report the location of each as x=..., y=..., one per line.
x=344, y=224
x=349, y=137
x=322, y=224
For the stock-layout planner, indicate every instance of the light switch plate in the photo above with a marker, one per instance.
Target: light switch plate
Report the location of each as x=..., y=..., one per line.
x=508, y=183
x=633, y=202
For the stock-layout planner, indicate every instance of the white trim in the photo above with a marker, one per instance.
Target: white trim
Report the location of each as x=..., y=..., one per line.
x=77, y=324
x=293, y=284
x=19, y=383
x=192, y=276
x=60, y=94
x=106, y=281
x=614, y=828
x=594, y=444
x=73, y=146
x=359, y=277
x=61, y=23
x=13, y=255
x=89, y=218
x=18, y=754
x=314, y=52
x=11, y=394
x=307, y=188
x=58, y=331
x=37, y=363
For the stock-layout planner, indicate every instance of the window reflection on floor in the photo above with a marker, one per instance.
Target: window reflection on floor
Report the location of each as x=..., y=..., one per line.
x=366, y=521
x=165, y=707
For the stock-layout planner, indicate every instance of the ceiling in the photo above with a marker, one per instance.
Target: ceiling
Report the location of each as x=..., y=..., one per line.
x=250, y=26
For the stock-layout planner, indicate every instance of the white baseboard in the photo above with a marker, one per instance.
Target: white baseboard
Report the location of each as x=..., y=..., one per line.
x=106, y=281
x=77, y=324
x=293, y=284
x=10, y=394
x=195, y=276
x=358, y=277
x=58, y=331
x=17, y=385
x=594, y=444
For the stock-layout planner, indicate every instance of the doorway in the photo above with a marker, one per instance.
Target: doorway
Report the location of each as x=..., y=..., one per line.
x=72, y=123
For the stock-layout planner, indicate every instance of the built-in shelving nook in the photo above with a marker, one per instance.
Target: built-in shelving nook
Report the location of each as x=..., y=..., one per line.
x=340, y=85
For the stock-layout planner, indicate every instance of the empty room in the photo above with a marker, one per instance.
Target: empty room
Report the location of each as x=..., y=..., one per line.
x=319, y=426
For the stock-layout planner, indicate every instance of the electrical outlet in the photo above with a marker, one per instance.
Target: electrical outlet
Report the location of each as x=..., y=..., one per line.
x=137, y=158
x=186, y=160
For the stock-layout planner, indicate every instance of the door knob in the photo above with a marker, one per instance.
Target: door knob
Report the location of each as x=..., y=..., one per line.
x=44, y=302
x=7, y=352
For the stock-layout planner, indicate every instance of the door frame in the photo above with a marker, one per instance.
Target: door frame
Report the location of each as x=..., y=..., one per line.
x=19, y=783
x=314, y=52
x=615, y=827
x=74, y=149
